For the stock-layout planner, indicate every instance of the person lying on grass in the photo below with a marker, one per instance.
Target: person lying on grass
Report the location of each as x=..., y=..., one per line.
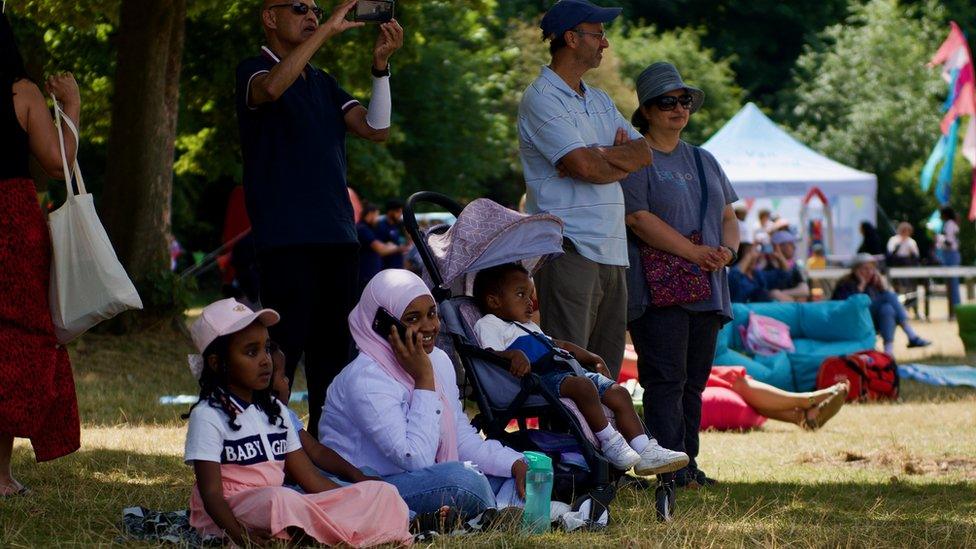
x=732, y=400
x=504, y=294
x=241, y=443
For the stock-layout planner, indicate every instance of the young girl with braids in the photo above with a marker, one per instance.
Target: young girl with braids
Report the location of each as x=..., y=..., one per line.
x=241, y=442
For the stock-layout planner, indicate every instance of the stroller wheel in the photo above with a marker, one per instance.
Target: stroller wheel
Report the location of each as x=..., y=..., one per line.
x=596, y=513
x=664, y=500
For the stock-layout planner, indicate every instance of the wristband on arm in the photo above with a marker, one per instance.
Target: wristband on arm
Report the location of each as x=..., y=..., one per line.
x=735, y=255
x=380, y=104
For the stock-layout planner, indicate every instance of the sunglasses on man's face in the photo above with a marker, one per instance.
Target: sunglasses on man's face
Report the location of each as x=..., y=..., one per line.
x=299, y=8
x=669, y=102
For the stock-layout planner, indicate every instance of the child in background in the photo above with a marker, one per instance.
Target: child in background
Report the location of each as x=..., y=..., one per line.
x=241, y=444
x=817, y=259
x=323, y=457
x=504, y=294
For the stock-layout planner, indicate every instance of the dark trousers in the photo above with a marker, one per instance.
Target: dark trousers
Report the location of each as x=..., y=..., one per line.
x=313, y=288
x=675, y=348
x=585, y=303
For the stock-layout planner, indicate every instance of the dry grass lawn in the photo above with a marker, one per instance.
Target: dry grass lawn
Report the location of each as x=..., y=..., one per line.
x=879, y=475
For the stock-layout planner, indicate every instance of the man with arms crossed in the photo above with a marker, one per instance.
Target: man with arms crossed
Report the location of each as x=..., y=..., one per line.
x=575, y=147
x=293, y=120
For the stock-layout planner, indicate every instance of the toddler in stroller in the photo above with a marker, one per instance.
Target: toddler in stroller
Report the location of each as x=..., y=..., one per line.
x=486, y=235
x=503, y=293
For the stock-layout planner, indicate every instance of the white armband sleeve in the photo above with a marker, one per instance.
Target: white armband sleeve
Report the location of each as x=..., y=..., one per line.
x=380, y=104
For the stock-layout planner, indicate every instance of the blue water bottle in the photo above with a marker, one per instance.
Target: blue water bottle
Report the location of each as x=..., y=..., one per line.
x=538, y=493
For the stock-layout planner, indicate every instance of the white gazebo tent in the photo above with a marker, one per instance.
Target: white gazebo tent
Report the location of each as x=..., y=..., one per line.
x=769, y=169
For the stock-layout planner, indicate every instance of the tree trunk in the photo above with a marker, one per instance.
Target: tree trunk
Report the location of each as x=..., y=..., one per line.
x=138, y=190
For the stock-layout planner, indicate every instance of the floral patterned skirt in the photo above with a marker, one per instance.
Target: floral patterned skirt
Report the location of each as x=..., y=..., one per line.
x=37, y=390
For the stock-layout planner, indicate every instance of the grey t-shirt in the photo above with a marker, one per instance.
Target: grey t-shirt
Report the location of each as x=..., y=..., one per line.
x=669, y=189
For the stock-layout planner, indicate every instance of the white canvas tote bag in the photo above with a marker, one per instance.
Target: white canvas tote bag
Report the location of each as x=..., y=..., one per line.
x=88, y=284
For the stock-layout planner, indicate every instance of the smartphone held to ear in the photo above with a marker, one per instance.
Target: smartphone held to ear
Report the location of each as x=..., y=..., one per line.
x=373, y=11
x=384, y=321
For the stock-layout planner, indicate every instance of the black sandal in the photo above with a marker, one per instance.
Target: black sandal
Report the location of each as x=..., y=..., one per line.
x=507, y=519
x=442, y=521
x=21, y=492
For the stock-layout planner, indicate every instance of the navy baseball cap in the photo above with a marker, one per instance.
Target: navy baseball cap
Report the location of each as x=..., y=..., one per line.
x=566, y=14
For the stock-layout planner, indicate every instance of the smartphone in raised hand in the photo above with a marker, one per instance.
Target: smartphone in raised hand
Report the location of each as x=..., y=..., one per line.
x=384, y=321
x=373, y=11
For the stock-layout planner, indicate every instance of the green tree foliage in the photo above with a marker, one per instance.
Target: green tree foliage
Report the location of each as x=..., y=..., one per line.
x=699, y=66
x=448, y=90
x=864, y=96
x=55, y=36
x=449, y=134
x=763, y=37
x=861, y=91
x=451, y=90
x=631, y=50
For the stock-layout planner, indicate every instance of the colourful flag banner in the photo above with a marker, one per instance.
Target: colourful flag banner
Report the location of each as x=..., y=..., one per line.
x=928, y=171
x=958, y=71
x=969, y=142
x=934, y=222
x=944, y=185
x=972, y=200
x=964, y=103
x=952, y=44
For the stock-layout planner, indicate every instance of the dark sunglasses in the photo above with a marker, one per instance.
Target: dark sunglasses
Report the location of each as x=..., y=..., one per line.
x=669, y=102
x=300, y=9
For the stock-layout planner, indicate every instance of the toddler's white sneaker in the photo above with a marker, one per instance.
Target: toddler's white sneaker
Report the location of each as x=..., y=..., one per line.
x=619, y=453
x=655, y=460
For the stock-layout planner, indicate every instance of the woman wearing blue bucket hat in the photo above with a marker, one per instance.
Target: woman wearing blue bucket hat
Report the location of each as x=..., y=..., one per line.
x=682, y=232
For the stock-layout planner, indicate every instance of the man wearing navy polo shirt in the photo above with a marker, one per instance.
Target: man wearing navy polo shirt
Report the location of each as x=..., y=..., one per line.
x=293, y=120
x=390, y=231
x=575, y=148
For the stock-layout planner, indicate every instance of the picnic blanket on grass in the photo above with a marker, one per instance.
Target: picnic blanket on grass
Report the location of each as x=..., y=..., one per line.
x=943, y=376
x=141, y=524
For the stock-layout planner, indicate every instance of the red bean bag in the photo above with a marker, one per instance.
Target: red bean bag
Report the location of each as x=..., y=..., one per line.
x=722, y=408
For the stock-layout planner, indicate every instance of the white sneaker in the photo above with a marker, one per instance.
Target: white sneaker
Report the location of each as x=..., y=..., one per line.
x=619, y=453
x=655, y=460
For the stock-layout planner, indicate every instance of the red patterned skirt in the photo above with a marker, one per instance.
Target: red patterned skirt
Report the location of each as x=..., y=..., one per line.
x=37, y=390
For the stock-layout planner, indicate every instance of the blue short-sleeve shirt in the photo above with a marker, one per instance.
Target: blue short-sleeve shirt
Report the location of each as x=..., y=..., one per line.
x=554, y=120
x=294, y=152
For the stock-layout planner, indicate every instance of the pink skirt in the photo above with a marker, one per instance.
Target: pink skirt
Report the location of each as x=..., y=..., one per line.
x=361, y=515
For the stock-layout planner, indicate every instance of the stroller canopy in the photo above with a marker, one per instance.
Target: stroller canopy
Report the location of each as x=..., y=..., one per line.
x=487, y=234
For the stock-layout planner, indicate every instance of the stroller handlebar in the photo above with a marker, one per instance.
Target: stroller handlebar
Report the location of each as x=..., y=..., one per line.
x=410, y=222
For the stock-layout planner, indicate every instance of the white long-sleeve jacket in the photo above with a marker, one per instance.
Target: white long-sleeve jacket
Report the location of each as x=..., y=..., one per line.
x=371, y=421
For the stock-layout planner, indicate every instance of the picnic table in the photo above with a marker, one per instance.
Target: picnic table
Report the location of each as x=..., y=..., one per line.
x=925, y=273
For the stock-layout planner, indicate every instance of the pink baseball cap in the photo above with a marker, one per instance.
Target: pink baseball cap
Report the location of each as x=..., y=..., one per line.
x=225, y=317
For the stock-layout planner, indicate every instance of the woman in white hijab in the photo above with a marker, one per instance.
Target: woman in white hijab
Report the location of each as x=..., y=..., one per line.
x=395, y=409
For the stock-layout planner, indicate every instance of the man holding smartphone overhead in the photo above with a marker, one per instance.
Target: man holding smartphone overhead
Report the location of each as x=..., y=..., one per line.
x=575, y=148
x=293, y=120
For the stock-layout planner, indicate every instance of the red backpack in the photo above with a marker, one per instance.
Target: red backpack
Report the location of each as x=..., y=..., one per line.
x=873, y=375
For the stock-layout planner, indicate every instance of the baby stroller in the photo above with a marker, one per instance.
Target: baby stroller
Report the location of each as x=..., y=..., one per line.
x=485, y=235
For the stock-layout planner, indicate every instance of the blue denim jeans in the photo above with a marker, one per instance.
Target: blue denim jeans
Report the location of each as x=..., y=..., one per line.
x=450, y=483
x=887, y=313
x=951, y=258
x=553, y=381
